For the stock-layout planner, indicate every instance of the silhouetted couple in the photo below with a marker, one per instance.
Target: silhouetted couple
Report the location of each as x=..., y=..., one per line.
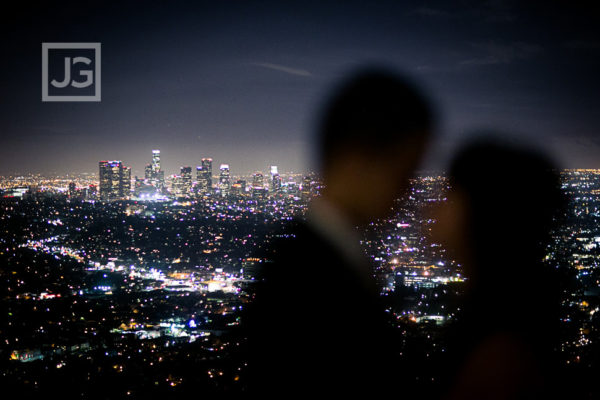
x=317, y=325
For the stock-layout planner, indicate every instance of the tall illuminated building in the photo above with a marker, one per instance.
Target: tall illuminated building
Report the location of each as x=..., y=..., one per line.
x=198, y=187
x=186, y=180
x=207, y=167
x=115, y=180
x=204, y=176
x=224, y=180
x=275, y=180
x=153, y=173
x=258, y=185
x=177, y=185
x=155, y=161
x=126, y=182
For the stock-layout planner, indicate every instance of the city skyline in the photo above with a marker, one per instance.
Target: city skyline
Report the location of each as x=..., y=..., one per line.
x=138, y=170
x=244, y=83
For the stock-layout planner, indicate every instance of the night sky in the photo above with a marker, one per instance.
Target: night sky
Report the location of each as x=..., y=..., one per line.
x=241, y=82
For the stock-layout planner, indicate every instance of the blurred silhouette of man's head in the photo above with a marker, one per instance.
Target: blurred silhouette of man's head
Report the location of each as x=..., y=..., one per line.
x=372, y=135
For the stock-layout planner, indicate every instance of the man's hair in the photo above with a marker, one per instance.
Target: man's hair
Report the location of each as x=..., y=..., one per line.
x=372, y=110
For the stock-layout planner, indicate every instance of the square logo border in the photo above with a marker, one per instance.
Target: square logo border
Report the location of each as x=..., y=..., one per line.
x=95, y=46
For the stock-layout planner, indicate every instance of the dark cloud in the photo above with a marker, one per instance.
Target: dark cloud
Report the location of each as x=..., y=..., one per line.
x=283, y=68
x=496, y=53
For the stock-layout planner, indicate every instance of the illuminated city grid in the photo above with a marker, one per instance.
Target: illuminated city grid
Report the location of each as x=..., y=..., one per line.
x=139, y=280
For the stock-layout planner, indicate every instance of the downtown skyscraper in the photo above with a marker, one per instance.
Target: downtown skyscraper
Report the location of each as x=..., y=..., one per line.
x=115, y=180
x=154, y=174
x=224, y=180
x=204, y=176
x=275, y=179
x=186, y=180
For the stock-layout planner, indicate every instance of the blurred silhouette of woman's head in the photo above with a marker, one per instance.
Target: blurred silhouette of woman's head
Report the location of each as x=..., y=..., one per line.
x=503, y=202
x=497, y=221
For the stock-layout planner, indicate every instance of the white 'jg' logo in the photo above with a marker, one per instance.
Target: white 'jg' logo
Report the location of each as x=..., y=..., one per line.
x=67, y=81
x=90, y=76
